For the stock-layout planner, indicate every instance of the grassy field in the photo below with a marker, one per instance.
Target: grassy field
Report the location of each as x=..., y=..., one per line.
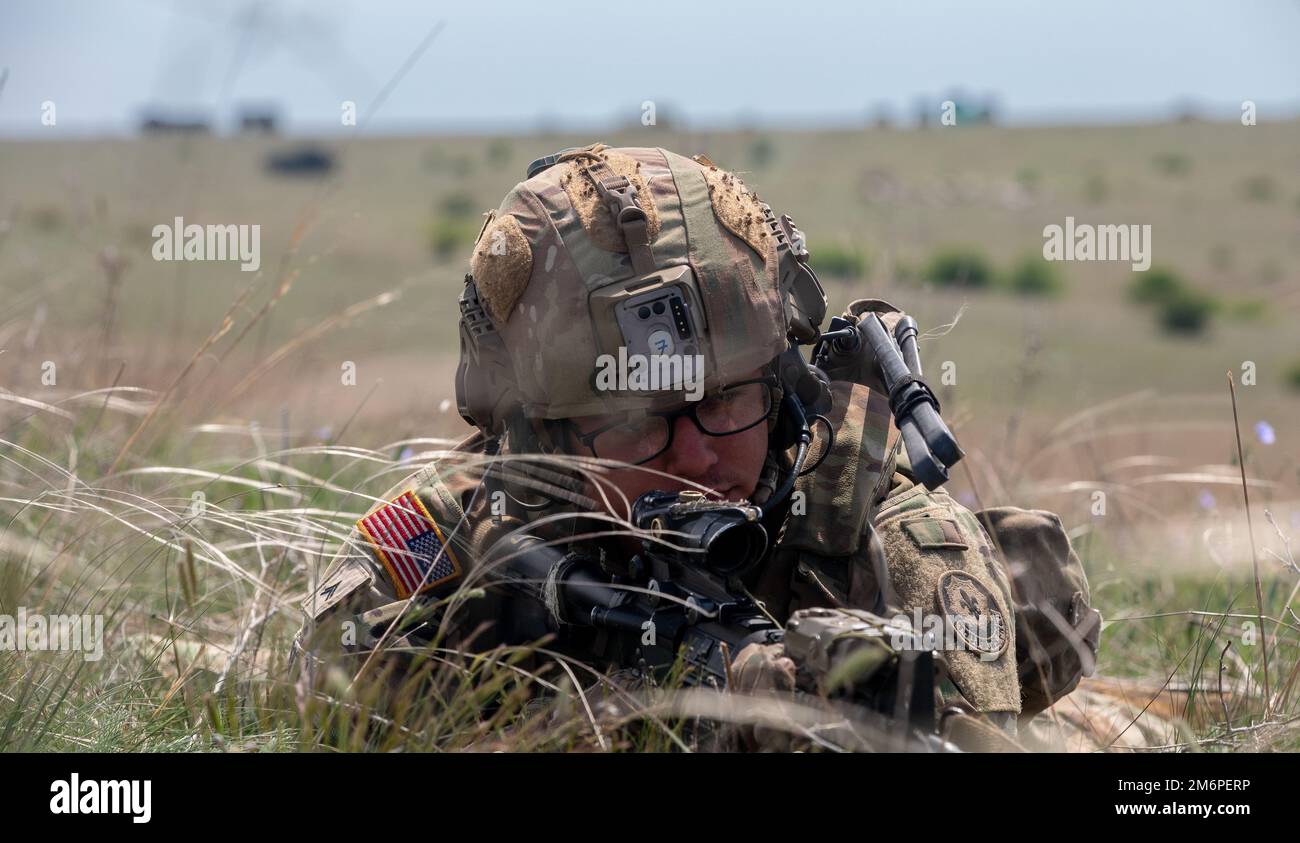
x=171, y=380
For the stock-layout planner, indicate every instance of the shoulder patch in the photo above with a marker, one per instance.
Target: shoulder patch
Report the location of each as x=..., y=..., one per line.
x=409, y=544
x=931, y=533
x=971, y=608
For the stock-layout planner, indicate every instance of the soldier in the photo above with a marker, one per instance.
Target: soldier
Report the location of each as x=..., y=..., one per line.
x=603, y=264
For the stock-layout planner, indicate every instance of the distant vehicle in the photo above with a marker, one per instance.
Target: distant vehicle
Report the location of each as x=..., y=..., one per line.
x=308, y=160
x=162, y=123
x=259, y=122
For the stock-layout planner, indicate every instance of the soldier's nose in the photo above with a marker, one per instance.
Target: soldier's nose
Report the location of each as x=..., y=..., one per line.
x=692, y=455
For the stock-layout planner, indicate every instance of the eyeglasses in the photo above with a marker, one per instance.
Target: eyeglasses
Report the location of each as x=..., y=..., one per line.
x=736, y=408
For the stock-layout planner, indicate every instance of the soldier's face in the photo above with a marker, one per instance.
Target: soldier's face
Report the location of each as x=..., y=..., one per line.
x=728, y=465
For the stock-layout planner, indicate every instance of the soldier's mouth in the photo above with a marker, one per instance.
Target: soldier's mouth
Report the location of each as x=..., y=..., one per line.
x=728, y=493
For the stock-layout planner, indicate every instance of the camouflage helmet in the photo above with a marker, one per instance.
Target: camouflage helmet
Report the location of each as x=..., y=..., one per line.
x=595, y=236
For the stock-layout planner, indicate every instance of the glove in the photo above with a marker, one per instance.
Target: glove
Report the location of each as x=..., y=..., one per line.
x=763, y=667
x=760, y=669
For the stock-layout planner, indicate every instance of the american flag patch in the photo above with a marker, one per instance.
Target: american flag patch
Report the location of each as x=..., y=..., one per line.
x=407, y=540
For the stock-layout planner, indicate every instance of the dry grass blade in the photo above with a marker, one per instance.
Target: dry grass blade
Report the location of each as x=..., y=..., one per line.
x=227, y=322
x=312, y=333
x=1254, y=556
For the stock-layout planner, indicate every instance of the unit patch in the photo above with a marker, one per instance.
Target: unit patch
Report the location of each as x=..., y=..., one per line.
x=963, y=596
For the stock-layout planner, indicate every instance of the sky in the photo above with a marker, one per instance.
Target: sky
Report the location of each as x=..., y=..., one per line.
x=511, y=65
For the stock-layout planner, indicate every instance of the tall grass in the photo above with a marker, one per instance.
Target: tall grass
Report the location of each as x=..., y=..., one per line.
x=199, y=553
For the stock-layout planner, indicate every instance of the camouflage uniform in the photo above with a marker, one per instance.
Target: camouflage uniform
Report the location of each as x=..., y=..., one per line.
x=857, y=532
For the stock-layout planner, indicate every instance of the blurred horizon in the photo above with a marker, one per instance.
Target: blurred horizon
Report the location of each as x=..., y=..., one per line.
x=467, y=69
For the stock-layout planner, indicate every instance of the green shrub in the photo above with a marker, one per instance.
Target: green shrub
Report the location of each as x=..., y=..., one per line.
x=438, y=159
x=1186, y=312
x=1182, y=309
x=959, y=267
x=1172, y=163
x=1293, y=376
x=499, y=152
x=1156, y=286
x=1096, y=189
x=762, y=152
x=1034, y=276
x=458, y=205
x=450, y=237
x=1248, y=310
x=1260, y=188
x=838, y=261
x=46, y=218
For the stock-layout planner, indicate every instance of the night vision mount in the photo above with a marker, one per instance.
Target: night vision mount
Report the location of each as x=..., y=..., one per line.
x=931, y=447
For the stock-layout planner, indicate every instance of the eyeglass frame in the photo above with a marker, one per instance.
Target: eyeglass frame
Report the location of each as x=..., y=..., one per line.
x=671, y=416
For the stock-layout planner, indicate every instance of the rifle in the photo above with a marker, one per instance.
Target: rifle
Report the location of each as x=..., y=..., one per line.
x=681, y=606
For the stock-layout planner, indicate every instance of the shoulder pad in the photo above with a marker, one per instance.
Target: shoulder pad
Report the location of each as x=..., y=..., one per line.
x=833, y=503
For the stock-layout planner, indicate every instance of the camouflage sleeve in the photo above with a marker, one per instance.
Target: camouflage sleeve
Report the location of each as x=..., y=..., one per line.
x=830, y=507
